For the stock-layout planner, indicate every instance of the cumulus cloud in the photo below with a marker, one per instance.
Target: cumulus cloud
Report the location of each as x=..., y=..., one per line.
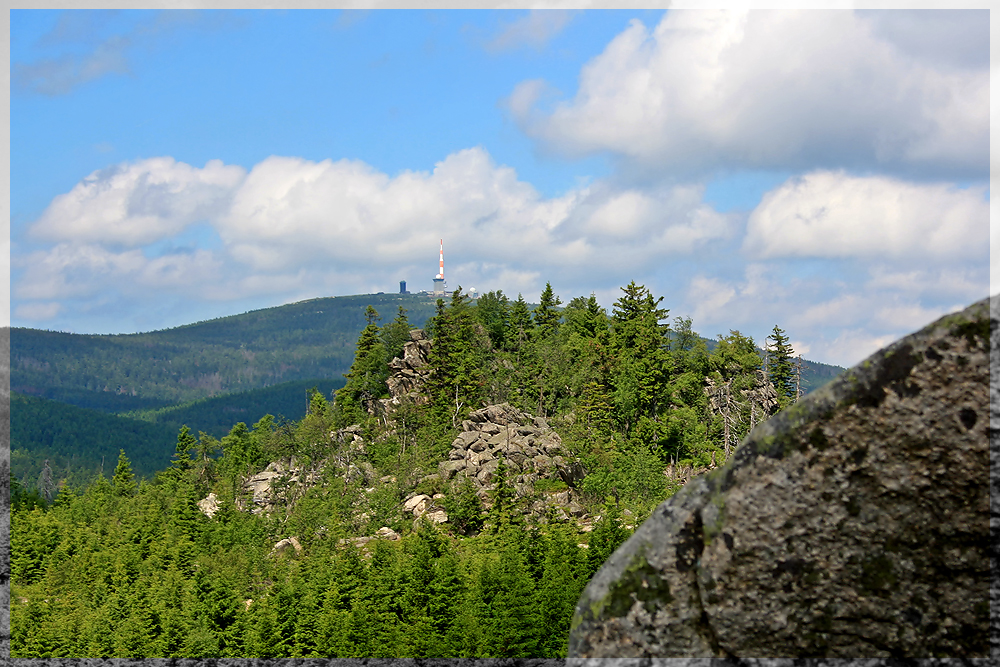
x=958, y=38
x=769, y=89
x=833, y=214
x=137, y=203
x=534, y=29
x=70, y=270
x=839, y=319
x=292, y=224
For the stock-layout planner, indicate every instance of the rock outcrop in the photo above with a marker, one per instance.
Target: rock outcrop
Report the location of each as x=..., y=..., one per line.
x=383, y=533
x=409, y=373
x=430, y=508
x=530, y=448
x=855, y=524
x=281, y=482
x=209, y=505
x=285, y=544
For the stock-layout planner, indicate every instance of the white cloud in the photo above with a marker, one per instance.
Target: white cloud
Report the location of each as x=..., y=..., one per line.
x=852, y=346
x=833, y=214
x=709, y=297
x=291, y=225
x=963, y=284
x=38, y=311
x=535, y=29
x=72, y=270
x=834, y=320
x=137, y=203
x=957, y=38
x=771, y=89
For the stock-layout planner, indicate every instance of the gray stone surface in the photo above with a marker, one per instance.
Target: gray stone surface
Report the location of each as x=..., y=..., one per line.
x=855, y=524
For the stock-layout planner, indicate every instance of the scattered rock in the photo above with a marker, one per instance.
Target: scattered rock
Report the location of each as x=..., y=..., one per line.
x=209, y=505
x=416, y=504
x=383, y=533
x=855, y=524
x=386, y=533
x=284, y=544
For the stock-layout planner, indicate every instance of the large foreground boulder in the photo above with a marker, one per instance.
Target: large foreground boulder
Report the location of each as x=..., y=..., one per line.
x=855, y=524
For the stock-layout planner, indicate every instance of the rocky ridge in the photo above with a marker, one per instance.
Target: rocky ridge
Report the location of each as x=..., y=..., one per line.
x=531, y=450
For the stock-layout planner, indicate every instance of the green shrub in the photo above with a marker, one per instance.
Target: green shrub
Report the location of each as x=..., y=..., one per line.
x=550, y=485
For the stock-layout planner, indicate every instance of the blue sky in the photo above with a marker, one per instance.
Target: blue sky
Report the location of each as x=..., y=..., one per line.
x=826, y=171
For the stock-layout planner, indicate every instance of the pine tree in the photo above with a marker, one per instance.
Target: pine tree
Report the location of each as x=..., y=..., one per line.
x=123, y=480
x=781, y=368
x=366, y=378
x=639, y=344
x=186, y=444
x=546, y=315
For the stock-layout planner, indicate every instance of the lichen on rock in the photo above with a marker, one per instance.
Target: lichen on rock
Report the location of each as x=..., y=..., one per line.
x=854, y=524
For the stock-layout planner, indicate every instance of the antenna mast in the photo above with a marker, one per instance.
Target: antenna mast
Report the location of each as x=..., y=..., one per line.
x=439, y=284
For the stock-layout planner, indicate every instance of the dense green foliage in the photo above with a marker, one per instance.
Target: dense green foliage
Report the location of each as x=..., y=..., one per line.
x=76, y=441
x=127, y=569
x=118, y=373
x=130, y=567
x=215, y=416
x=81, y=443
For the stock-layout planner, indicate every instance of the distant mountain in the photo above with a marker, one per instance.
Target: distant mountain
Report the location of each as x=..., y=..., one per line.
x=262, y=348
x=134, y=391
x=216, y=416
x=80, y=443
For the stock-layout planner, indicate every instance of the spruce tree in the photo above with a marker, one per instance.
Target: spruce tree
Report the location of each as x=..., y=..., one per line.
x=493, y=312
x=458, y=356
x=521, y=326
x=123, y=480
x=639, y=344
x=395, y=335
x=546, y=315
x=186, y=444
x=366, y=378
x=780, y=367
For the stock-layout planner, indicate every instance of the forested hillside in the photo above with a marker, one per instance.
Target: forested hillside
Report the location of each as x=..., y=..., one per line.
x=397, y=519
x=77, y=442
x=118, y=373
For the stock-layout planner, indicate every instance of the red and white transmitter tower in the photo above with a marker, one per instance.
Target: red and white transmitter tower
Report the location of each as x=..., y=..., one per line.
x=439, y=284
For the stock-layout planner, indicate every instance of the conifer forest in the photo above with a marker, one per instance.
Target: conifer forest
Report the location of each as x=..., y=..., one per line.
x=189, y=561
